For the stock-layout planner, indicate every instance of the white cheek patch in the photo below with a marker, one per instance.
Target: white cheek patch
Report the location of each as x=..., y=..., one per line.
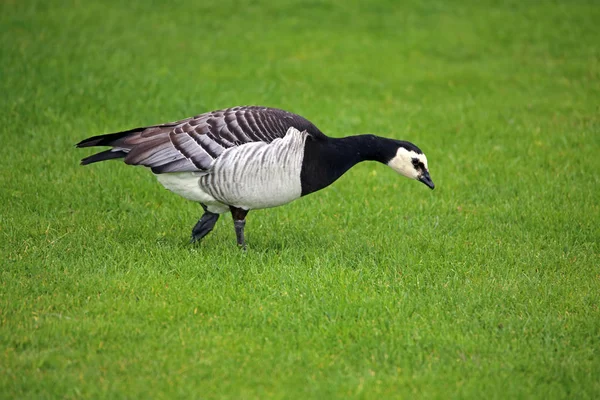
x=402, y=163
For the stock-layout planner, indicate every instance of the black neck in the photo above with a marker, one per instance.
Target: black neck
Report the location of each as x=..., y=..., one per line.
x=325, y=160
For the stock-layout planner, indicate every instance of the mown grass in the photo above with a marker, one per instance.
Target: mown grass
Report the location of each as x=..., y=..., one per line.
x=376, y=287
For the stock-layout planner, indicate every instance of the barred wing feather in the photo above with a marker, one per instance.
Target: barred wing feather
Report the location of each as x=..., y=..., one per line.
x=194, y=143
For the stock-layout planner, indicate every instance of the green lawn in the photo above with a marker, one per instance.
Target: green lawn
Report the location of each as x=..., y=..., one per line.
x=375, y=288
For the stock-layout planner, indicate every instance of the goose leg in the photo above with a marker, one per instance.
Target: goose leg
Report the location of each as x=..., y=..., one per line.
x=239, y=222
x=204, y=225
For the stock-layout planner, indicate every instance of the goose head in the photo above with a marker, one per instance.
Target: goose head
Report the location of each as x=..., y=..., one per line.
x=410, y=161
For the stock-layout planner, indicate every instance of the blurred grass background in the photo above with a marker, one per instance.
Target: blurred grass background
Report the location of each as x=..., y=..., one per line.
x=486, y=287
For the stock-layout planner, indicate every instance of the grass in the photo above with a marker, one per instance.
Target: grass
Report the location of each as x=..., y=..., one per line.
x=376, y=287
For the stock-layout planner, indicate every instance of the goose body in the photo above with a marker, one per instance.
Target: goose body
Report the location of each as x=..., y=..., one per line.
x=245, y=158
x=254, y=176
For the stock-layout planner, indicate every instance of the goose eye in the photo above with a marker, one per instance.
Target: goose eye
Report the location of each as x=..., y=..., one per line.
x=415, y=162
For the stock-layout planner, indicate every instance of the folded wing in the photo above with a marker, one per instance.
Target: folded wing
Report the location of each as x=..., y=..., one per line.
x=194, y=143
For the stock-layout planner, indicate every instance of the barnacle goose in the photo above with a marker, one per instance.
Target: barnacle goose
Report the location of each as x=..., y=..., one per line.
x=244, y=158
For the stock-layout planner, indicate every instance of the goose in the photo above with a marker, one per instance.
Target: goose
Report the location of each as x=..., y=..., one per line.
x=246, y=158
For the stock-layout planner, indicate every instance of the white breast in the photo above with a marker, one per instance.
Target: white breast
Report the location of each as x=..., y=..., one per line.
x=258, y=175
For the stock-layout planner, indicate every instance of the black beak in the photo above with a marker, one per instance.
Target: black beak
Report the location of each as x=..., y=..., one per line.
x=426, y=179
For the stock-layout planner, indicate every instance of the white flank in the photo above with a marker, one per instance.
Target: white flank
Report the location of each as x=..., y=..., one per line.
x=186, y=184
x=258, y=175
x=251, y=176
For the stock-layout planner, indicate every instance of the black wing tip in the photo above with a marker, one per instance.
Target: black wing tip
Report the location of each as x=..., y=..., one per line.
x=102, y=156
x=89, y=142
x=107, y=139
